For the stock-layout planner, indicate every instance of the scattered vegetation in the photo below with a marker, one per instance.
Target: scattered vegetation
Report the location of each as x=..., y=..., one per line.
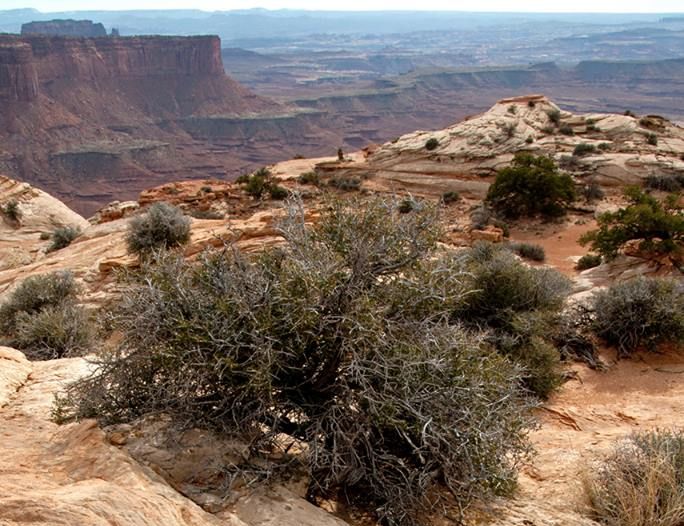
x=659, y=227
x=630, y=113
x=592, y=191
x=529, y=139
x=207, y=214
x=641, y=483
x=509, y=129
x=347, y=184
x=512, y=109
x=531, y=186
x=309, y=178
x=480, y=217
x=588, y=261
x=528, y=251
x=451, y=196
x=41, y=318
x=652, y=139
x=62, y=237
x=11, y=210
x=554, y=116
x=642, y=312
x=278, y=192
x=162, y=226
x=409, y=204
x=351, y=339
x=566, y=129
x=666, y=183
x=604, y=146
x=431, y=144
x=531, y=104
x=583, y=149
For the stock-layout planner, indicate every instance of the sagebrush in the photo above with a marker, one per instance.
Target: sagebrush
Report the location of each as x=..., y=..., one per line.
x=162, y=226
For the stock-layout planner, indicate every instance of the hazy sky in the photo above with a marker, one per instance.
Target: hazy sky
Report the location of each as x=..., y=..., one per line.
x=614, y=6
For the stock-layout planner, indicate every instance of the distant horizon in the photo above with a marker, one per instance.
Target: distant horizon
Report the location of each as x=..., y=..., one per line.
x=615, y=7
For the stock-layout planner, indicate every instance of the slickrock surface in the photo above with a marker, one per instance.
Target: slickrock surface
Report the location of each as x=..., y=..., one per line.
x=471, y=151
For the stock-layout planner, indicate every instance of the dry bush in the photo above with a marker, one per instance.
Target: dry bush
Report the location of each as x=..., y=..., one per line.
x=642, y=312
x=530, y=251
x=62, y=237
x=162, y=226
x=343, y=343
x=641, y=483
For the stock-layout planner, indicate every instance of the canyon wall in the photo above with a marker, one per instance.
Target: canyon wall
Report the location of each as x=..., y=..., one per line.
x=72, y=28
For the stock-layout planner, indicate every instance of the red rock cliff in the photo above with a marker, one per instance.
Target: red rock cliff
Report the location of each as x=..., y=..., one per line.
x=18, y=77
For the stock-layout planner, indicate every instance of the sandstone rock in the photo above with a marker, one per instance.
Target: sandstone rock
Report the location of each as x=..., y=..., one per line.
x=491, y=234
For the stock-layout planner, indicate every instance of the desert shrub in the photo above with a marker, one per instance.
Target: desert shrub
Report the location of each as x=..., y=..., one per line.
x=505, y=229
x=548, y=130
x=604, y=146
x=206, y=189
x=528, y=251
x=531, y=104
x=566, y=129
x=512, y=109
x=409, y=204
x=62, y=237
x=277, y=192
x=347, y=184
x=588, y=261
x=54, y=332
x=652, y=139
x=450, y=197
x=592, y=127
x=642, y=312
x=44, y=236
x=592, y=191
x=531, y=186
x=630, y=113
x=162, y=226
x=529, y=139
x=36, y=293
x=11, y=210
x=554, y=116
x=583, y=149
x=42, y=319
x=665, y=183
x=571, y=336
x=509, y=129
x=256, y=185
x=309, y=178
x=431, y=144
x=516, y=306
x=341, y=340
x=641, y=482
x=243, y=179
x=480, y=217
x=658, y=226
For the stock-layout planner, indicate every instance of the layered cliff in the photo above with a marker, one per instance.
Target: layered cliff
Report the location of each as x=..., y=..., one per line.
x=92, y=119
x=72, y=28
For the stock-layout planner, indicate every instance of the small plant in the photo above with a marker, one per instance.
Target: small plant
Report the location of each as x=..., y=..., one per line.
x=554, y=116
x=408, y=205
x=206, y=214
x=44, y=236
x=641, y=482
x=62, y=237
x=566, y=129
x=588, y=261
x=309, y=178
x=529, y=139
x=652, y=139
x=604, y=146
x=642, y=312
x=528, y=251
x=665, y=183
x=658, y=226
x=531, y=104
x=162, y=226
x=593, y=192
x=480, y=217
x=512, y=109
x=431, y=144
x=11, y=210
x=450, y=197
x=630, y=113
x=206, y=189
x=509, y=129
x=278, y=192
x=347, y=184
x=42, y=319
x=583, y=149
x=243, y=179
x=548, y=130
x=531, y=186
x=592, y=128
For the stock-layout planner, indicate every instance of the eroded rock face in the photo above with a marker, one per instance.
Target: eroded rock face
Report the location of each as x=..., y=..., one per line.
x=71, y=28
x=620, y=149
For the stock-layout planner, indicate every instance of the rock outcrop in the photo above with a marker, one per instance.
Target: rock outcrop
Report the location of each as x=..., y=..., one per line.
x=616, y=150
x=67, y=28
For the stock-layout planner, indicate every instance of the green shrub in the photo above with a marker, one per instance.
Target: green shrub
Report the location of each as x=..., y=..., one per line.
x=583, y=149
x=347, y=184
x=531, y=104
x=54, y=332
x=642, y=312
x=342, y=340
x=566, y=129
x=652, y=139
x=36, y=293
x=309, y=178
x=528, y=251
x=630, y=113
x=450, y=197
x=592, y=192
x=604, y=146
x=641, y=483
x=480, y=217
x=529, y=139
x=11, y=210
x=431, y=144
x=62, y=237
x=277, y=192
x=408, y=205
x=531, y=186
x=666, y=183
x=516, y=305
x=554, y=116
x=512, y=109
x=206, y=189
x=659, y=226
x=42, y=319
x=588, y=261
x=243, y=179
x=162, y=226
